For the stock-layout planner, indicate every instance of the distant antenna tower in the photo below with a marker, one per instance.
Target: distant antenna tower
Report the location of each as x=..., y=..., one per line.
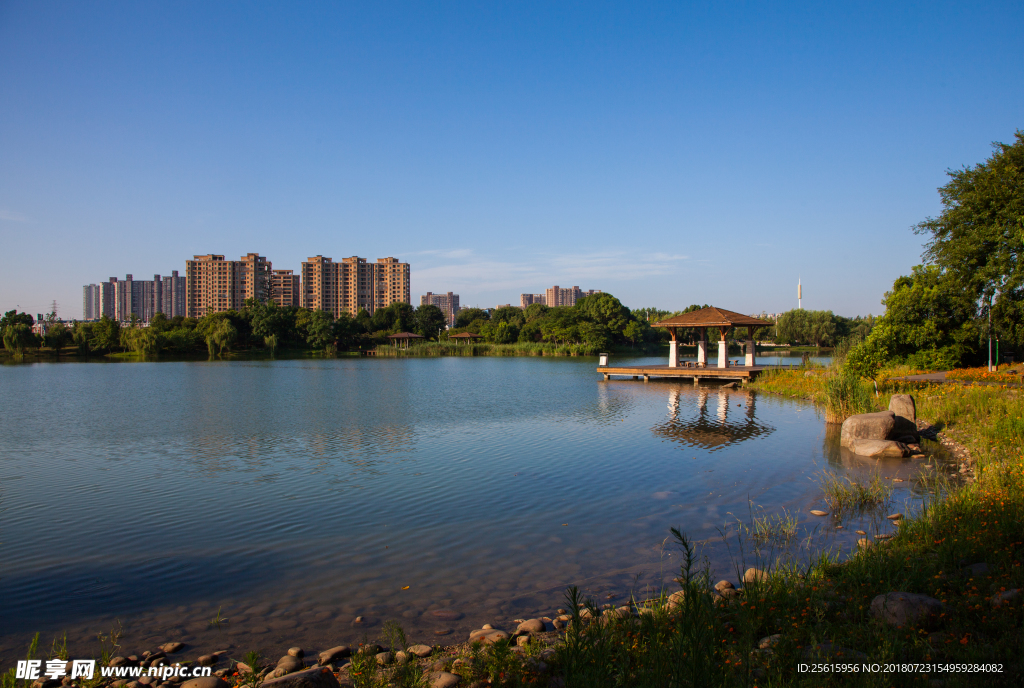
x=799, y=294
x=53, y=307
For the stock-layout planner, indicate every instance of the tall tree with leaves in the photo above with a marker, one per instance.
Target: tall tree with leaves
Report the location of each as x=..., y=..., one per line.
x=978, y=239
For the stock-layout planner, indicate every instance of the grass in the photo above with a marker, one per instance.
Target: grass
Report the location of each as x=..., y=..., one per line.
x=844, y=496
x=844, y=395
x=218, y=620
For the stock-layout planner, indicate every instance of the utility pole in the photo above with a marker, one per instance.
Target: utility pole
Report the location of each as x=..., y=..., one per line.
x=990, y=334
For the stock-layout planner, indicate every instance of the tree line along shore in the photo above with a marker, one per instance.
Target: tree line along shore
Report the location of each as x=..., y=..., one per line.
x=596, y=323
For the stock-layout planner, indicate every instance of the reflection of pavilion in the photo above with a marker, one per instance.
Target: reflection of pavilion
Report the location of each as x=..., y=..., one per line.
x=711, y=430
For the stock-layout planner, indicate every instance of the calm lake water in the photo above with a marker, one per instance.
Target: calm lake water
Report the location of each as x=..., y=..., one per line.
x=295, y=495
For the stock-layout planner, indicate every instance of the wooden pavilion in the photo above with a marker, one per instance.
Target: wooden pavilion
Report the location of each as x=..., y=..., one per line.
x=705, y=319
x=465, y=337
x=403, y=338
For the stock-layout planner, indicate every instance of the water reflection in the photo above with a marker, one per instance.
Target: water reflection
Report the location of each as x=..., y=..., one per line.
x=690, y=423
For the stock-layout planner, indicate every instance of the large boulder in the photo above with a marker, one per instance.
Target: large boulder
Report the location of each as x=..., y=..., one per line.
x=904, y=407
x=906, y=608
x=879, y=448
x=867, y=426
x=317, y=677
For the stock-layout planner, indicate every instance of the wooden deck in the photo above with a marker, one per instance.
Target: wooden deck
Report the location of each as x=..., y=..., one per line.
x=742, y=373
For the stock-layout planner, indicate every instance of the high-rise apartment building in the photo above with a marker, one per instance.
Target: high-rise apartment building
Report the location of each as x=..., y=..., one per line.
x=353, y=284
x=530, y=299
x=286, y=288
x=448, y=303
x=213, y=284
x=172, y=296
x=556, y=296
x=142, y=298
x=91, y=302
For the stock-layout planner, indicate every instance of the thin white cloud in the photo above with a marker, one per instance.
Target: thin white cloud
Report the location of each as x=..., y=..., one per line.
x=10, y=216
x=463, y=269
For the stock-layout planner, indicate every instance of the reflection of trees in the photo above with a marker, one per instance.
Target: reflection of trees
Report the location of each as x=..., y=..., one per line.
x=830, y=448
x=709, y=431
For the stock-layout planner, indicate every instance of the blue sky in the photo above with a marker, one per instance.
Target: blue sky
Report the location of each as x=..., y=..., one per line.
x=669, y=153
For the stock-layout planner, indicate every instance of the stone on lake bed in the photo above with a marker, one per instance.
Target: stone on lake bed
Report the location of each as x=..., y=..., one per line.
x=317, y=677
x=769, y=642
x=207, y=660
x=296, y=652
x=446, y=614
x=894, y=517
x=863, y=543
x=723, y=584
x=384, y=658
x=860, y=532
x=818, y=512
x=171, y=648
x=420, y=650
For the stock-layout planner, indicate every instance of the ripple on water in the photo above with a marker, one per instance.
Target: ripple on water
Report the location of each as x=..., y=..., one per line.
x=328, y=485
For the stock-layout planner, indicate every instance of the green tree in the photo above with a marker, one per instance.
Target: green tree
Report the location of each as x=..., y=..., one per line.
x=978, y=239
x=18, y=337
x=929, y=322
x=429, y=321
x=159, y=323
x=466, y=316
x=221, y=336
x=605, y=310
x=398, y=317
x=633, y=332
x=106, y=334
x=320, y=331
x=509, y=314
x=58, y=335
x=141, y=340
x=535, y=311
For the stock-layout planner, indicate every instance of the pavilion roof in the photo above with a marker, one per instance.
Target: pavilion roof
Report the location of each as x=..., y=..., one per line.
x=465, y=335
x=405, y=335
x=712, y=317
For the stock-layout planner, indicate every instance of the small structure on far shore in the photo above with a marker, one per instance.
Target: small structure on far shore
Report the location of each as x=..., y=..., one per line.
x=467, y=337
x=403, y=338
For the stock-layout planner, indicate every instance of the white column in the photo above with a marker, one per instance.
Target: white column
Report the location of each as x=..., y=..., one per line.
x=723, y=354
x=673, y=354
x=749, y=359
x=702, y=351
